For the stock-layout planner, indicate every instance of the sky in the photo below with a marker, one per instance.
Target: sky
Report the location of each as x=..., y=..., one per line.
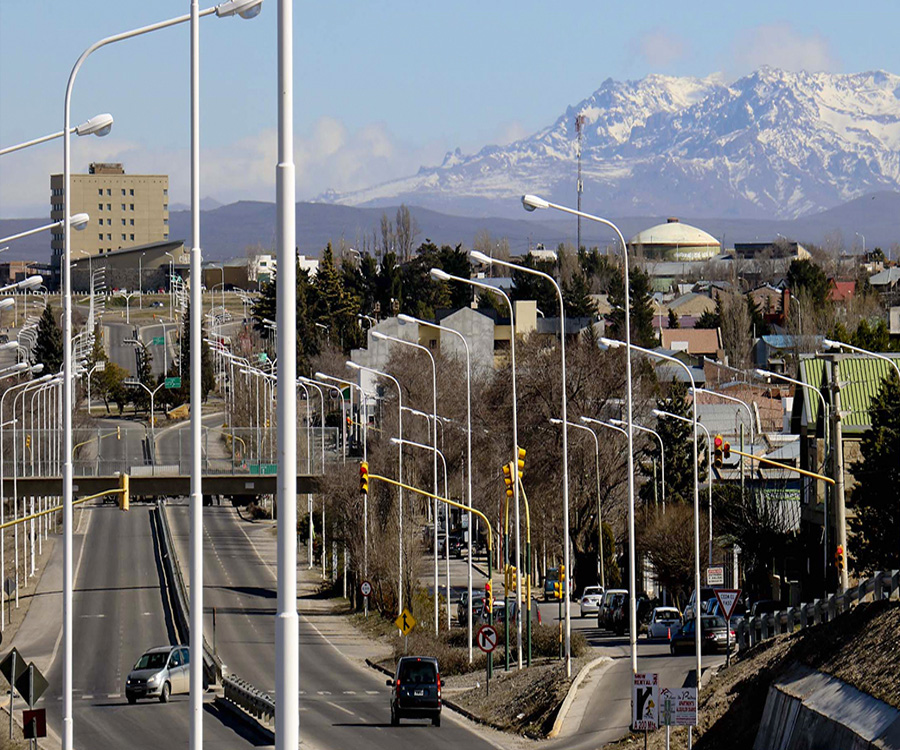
x=382, y=87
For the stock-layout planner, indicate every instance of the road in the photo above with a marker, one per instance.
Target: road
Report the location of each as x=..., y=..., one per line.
x=342, y=705
x=125, y=355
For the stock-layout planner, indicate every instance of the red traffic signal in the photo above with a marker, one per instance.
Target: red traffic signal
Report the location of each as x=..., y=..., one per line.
x=839, y=557
x=726, y=450
x=364, y=477
x=718, y=442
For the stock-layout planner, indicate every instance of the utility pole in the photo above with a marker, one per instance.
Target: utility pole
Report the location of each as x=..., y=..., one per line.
x=840, y=508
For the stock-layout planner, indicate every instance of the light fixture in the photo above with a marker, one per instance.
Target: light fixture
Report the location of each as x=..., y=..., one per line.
x=480, y=257
x=98, y=125
x=533, y=202
x=439, y=274
x=30, y=281
x=242, y=8
x=79, y=221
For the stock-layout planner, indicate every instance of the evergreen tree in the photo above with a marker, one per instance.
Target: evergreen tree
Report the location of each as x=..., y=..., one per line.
x=208, y=375
x=333, y=305
x=709, y=319
x=758, y=325
x=48, y=348
x=876, y=497
x=678, y=439
x=531, y=287
x=673, y=319
x=806, y=275
x=576, y=296
x=642, y=333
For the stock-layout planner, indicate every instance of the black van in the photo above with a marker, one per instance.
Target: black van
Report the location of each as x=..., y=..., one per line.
x=416, y=690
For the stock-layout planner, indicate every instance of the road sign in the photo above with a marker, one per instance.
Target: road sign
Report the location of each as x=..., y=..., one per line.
x=728, y=599
x=12, y=666
x=715, y=575
x=487, y=638
x=678, y=707
x=264, y=469
x=34, y=724
x=100, y=367
x=365, y=588
x=405, y=622
x=173, y=382
x=262, y=357
x=158, y=341
x=31, y=685
x=645, y=701
x=9, y=586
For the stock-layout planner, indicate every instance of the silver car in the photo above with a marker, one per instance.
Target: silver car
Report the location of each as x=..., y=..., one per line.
x=664, y=621
x=161, y=672
x=590, y=600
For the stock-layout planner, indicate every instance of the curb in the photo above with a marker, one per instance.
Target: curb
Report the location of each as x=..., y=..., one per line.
x=570, y=696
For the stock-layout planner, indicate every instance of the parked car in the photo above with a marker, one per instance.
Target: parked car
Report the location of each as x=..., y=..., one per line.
x=416, y=690
x=161, y=672
x=617, y=620
x=663, y=622
x=461, y=607
x=739, y=613
x=550, y=579
x=603, y=613
x=457, y=545
x=500, y=612
x=713, y=637
x=590, y=600
x=765, y=607
x=706, y=593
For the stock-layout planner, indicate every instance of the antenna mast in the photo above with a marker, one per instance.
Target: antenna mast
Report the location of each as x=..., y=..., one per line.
x=579, y=186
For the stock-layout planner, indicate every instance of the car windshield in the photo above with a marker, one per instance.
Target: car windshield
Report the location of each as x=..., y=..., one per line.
x=153, y=660
x=592, y=591
x=418, y=673
x=667, y=614
x=713, y=622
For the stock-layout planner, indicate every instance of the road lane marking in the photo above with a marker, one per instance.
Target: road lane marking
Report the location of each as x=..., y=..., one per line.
x=114, y=695
x=324, y=692
x=340, y=708
x=372, y=692
x=349, y=692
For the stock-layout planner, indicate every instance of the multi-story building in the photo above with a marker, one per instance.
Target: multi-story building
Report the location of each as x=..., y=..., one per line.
x=126, y=210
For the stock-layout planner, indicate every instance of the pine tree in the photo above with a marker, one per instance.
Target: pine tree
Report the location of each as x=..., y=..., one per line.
x=876, y=497
x=208, y=376
x=641, y=313
x=48, y=348
x=673, y=319
x=677, y=437
x=333, y=306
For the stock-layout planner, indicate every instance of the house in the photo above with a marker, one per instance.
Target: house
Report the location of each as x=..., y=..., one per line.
x=841, y=291
x=690, y=307
x=696, y=342
x=886, y=281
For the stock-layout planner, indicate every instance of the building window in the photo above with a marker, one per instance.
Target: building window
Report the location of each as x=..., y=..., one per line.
x=109, y=222
x=123, y=238
x=109, y=236
x=165, y=206
x=165, y=191
x=109, y=206
x=123, y=222
x=166, y=222
x=165, y=235
x=100, y=191
x=100, y=236
x=131, y=192
x=123, y=206
x=99, y=206
x=123, y=191
x=132, y=237
x=132, y=206
x=108, y=191
x=132, y=221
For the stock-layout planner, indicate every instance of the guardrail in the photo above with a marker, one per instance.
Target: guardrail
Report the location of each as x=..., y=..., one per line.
x=882, y=585
x=249, y=698
x=178, y=595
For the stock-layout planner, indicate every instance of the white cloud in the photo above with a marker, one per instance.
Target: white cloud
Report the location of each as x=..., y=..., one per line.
x=783, y=46
x=659, y=48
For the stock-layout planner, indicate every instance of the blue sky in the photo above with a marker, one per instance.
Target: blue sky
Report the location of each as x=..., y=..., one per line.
x=382, y=87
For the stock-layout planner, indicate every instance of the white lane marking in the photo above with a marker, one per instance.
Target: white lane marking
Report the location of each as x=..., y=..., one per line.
x=92, y=616
x=349, y=692
x=87, y=697
x=114, y=695
x=323, y=692
x=372, y=692
x=339, y=708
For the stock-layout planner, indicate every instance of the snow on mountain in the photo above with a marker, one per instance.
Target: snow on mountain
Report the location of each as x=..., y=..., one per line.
x=771, y=144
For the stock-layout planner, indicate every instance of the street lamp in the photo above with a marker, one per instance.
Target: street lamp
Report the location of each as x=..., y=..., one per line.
x=393, y=339
x=532, y=203
x=403, y=318
x=614, y=344
x=662, y=452
x=98, y=125
x=361, y=368
x=660, y=414
x=246, y=8
x=78, y=221
x=440, y=275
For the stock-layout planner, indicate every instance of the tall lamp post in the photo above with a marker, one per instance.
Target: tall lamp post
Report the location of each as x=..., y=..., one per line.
x=662, y=453
x=444, y=329
x=98, y=125
x=532, y=203
x=614, y=344
x=246, y=8
x=441, y=275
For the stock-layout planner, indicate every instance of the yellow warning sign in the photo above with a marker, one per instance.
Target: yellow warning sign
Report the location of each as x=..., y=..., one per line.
x=405, y=622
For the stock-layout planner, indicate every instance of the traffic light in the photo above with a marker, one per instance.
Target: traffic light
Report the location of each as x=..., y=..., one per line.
x=118, y=433
x=124, y=496
x=718, y=444
x=562, y=572
x=488, y=596
x=557, y=590
x=839, y=558
x=726, y=450
x=349, y=422
x=507, y=480
x=364, y=477
x=511, y=577
x=520, y=462
x=28, y=441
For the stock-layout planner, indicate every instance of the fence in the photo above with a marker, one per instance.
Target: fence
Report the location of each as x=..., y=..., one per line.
x=882, y=585
x=252, y=700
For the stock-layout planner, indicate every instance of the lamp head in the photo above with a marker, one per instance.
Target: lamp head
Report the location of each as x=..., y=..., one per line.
x=829, y=344
x=30, y=281
x=438, y=274
x=533, y=202
x=617, y=422
x=658, y=413
x=554, y=420
x=79, y=221
x=98, y=125
x=610, y=343
x=480, y=257
x=322, y=376
x=39, y=367
x=352, y=365
x=8, y=302
x=764, y=374
x=404, y=318
x=395, y=440
x=242, y=8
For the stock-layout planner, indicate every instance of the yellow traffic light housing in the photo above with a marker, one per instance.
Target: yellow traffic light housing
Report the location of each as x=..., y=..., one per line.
x=520, y=462
x=562, y=572
x=557, y=590
x=507, y=479
x=124, y=496
x=839, y=558
x=718, y=445
x=489, y=595
x=364, y=477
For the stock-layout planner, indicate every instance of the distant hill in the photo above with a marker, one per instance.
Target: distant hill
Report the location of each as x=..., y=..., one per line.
x=226, y=232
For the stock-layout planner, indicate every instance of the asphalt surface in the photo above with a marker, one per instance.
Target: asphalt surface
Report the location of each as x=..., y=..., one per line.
x=341, y=704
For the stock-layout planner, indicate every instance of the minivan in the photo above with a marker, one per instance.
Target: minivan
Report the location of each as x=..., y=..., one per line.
x=161, y=672
x=416, y=690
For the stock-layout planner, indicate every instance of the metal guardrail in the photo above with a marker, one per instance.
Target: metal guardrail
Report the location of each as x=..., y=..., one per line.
x=249, y=698
x=882, y=585
x=178, y=594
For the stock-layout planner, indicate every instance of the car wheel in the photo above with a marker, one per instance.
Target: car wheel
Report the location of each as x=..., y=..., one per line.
x=436, y=720
x=395, y=720
x=164, y=693
x=131, y=699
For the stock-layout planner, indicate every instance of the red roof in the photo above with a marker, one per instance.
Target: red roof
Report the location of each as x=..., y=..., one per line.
x=841, y=291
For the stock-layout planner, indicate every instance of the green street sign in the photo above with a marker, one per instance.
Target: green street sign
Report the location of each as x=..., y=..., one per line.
x=263, y=357
x=173, y=382
x=264, y=469
x=158, y=341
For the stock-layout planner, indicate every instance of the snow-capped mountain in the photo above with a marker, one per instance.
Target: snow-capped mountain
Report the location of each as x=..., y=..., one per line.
x=771, y=144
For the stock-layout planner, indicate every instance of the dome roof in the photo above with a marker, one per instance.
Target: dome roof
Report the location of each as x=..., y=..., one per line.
x=674, y=233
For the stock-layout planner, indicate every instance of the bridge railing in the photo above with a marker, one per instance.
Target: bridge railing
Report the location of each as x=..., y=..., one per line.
x=252, y=700
x=882, y=585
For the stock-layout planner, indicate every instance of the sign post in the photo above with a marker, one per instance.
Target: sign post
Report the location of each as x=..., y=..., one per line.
x=487, y=639
x=9, y=587
x=728, y=599
x=677, y=708
x=645, y=701
x=12, y=667
x=715, y=575
x=405, y=623
x=365, y=588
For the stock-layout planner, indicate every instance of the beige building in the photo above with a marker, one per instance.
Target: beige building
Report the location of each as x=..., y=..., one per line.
x=126, y=210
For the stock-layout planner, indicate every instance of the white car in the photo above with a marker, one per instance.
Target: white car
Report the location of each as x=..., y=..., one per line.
x=663, y=622
x=590, y=600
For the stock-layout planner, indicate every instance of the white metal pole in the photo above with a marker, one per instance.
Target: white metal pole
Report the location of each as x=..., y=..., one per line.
x=287, y=629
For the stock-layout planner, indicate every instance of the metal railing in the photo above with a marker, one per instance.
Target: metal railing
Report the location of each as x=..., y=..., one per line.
x=880, y=586
x=249, y=698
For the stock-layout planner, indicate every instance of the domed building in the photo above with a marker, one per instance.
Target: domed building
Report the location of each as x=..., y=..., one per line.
x=675, y=241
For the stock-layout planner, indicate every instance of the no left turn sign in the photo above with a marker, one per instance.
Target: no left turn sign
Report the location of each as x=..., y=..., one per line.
x=487, y=638
x=365, y=588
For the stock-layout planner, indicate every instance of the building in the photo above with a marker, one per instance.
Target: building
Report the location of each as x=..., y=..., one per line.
x=782, y=249
x=143, y=268
x=696, y=342
x=126, y=211
x=674, y=241
x=261, y=268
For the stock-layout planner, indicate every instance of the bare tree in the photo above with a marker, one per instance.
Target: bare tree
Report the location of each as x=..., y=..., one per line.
x=407, y=231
